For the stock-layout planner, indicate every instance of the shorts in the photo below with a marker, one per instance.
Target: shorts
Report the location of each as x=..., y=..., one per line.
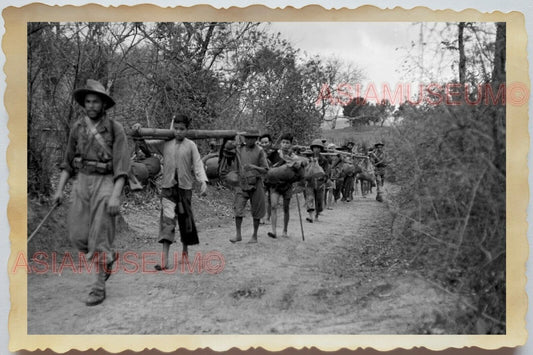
x=284, y=191
x=257, y=202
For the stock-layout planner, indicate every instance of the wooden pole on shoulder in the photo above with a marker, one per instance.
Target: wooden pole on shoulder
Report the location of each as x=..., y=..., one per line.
x=167, y=134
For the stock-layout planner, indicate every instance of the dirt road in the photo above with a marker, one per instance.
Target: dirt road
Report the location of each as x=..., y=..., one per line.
x=333, y=282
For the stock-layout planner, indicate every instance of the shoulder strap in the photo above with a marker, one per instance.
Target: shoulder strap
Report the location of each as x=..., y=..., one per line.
x=97, y=136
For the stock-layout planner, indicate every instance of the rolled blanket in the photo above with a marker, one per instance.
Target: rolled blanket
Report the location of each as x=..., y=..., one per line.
x=281, y=174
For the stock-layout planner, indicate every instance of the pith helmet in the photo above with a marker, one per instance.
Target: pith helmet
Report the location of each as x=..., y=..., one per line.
x=317, y=143
x=93, y=87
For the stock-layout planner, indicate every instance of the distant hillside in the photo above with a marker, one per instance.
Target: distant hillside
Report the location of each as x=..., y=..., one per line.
x=367, y=134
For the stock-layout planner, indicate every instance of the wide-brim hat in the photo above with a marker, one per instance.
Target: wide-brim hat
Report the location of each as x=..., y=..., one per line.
x=317, y=143
x=93, y=87
x=250, y=133
x=378, y=144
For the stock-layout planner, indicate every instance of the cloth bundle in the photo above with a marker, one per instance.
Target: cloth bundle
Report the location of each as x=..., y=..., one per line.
x=313, y=170
x=211, y=168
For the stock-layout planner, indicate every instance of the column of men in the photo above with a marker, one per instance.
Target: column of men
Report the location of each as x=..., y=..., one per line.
x=97, y=155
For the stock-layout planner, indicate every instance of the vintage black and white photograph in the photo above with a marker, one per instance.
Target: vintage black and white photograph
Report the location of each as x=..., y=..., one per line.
x=266, y=178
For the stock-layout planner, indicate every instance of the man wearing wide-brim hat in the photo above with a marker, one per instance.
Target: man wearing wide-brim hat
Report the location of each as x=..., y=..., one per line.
x=379, y=161
x=251, y=165
x=97, y=155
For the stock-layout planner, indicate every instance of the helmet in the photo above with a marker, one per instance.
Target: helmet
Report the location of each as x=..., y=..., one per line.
x=317, y=143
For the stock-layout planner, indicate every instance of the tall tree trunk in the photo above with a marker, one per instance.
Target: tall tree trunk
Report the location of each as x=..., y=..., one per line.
x=204, y=45
x=498, y=71
x=462, y=57
x=498, y=79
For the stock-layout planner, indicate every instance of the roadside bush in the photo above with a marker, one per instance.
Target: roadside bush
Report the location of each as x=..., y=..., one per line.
x=452, y=204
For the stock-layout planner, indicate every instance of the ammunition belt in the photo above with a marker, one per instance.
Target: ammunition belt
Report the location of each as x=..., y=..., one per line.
x=90, y=167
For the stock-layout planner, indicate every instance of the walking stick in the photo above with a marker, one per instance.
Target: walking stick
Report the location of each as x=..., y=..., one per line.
x=300, y=214
x=42, y=222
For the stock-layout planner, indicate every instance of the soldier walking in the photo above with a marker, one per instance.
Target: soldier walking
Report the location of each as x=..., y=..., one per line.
x=97, y=155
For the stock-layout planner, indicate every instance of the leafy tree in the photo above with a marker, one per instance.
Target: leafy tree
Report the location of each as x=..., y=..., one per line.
x=364, y=112
x=221, y=74
x=450, y=162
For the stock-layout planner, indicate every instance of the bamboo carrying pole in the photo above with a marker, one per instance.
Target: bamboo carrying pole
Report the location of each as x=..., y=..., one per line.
x=167, y=134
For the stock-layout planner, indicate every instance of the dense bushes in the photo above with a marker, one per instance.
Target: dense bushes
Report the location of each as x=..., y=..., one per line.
x=451, y=205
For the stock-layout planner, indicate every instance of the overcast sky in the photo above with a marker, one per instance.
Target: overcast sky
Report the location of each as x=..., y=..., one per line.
x=378, y=48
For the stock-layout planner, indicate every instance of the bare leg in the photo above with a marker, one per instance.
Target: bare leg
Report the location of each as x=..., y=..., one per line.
x=310, y=218
x=166, y=248
x=238, y=236
x=286, y=216
x=256, y=228
x=309, y=202
x=329, y=198
x=164, y=256
x=185, y=251
x=274, y=214
x=268, y=202
x=379, y=188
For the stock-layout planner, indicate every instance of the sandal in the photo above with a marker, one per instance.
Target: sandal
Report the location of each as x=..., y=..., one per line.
x=310, y=220
x=271, y=235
